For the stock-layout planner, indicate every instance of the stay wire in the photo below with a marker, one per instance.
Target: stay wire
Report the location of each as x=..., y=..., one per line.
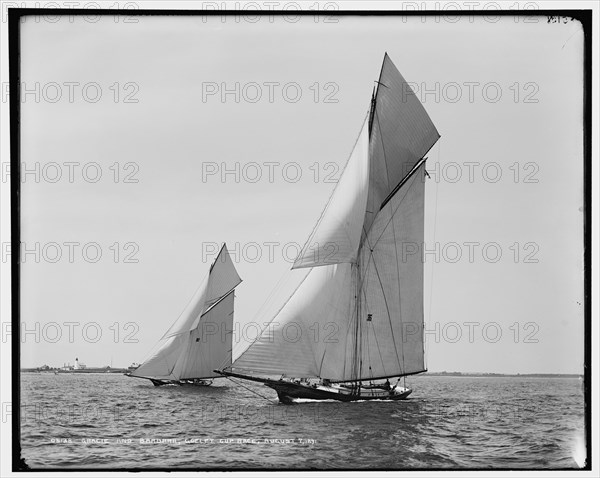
x=249, y=389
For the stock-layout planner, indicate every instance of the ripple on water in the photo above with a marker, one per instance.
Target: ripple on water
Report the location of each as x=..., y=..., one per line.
x=488, y=423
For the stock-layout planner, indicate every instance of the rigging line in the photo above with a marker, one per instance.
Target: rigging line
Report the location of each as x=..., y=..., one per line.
x=191, y=352
x=374, y=332
x=227, y=332
x=379, y=350
x=216, y=259
x=395, y=210
x=359, y=328
x=321, y=366
x=358, y=296
x=356, y=357
x=381, y=376
x=249, y=389
x=364, y=293
x=388, y=312
x=366, y=267
x=312, y=233
x=352, y=308
x=362, y=289
x=410, y=174
x=403, y=366
x=377, y=342
x=153, y=352
x=274, y=291
x=204, y=279
x=369, y=352
x=375, y=95
x=360, y=325
x=434, y=234
x=348, y=330
x=214, y=304
x=174, y=365
x=258, y=336
x=226, y=362
x=387, y=173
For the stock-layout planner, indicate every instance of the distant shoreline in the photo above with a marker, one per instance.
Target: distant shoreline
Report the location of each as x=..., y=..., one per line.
x=84, y=370
x=492, y=374
x=425, y=374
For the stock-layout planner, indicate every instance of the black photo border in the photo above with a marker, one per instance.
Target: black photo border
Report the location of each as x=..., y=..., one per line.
x=14, y=21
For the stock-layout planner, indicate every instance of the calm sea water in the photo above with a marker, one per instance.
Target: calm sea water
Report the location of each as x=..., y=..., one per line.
x=112, y=421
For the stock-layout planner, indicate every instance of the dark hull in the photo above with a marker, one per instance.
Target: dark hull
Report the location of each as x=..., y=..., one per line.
x=182, y=383
x=288, y=392
x=92, y=370
x=192, y=382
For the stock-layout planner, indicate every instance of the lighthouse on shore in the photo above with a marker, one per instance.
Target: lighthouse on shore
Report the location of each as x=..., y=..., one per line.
x=78, y=366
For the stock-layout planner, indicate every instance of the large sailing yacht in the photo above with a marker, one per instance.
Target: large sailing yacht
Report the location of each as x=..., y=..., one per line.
x=357, y=317
x=200, y=339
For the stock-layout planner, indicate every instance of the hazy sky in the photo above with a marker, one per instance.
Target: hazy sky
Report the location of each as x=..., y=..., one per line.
x=505, y=95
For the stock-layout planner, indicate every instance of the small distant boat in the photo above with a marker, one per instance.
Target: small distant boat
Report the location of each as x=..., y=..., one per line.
x=200, y=339
x=357, y=317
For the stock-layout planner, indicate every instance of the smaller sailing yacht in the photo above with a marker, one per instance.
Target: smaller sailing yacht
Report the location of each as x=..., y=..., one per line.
x=200, y=339
x=357, y=317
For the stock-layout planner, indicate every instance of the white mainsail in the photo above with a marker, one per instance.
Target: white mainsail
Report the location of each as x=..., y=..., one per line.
x=200, y=339
x=210, y=342
x=392, y=285
x=358, y=314
x=309, y=332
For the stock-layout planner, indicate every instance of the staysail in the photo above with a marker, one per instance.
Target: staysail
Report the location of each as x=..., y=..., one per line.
x=336, y=237
x=200, y=339
x=358, y=314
